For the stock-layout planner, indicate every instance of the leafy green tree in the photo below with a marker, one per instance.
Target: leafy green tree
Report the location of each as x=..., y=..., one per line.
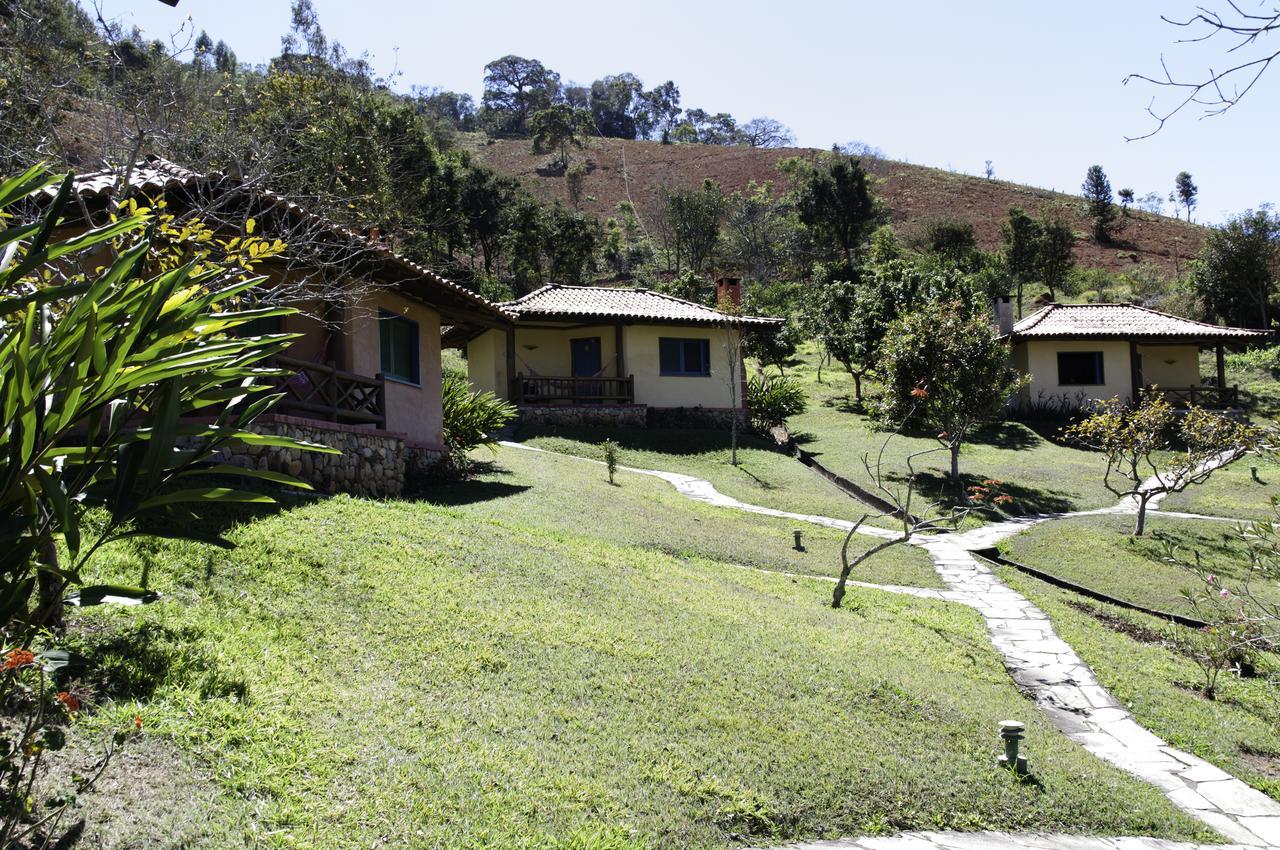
x=762, y=234
x=202, y=52
x=569, y=242
x=559, y=128
x=659, y=110
x=1152, y=450
x=944, y=368
x=1037, y=251
x=1185, y=191
x=837, y=204
x=455, y=109
x=1021, y=251
x=689, y=226
x=846, y=322
x=614, y=103
x=712, y=129
x=1054, y=260
x=1235, y=273
x=950, y=238
x=1098, y=202
x=1126, y=200
x=514, y=89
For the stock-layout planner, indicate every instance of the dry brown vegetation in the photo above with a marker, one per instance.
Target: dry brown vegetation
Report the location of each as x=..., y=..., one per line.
x=913, y=193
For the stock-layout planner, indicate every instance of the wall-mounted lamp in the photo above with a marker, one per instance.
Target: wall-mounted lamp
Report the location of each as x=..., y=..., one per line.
x=529, y=347
x=1170, y=362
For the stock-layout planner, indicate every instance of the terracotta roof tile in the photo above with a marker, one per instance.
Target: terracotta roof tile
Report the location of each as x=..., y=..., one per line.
x=561, y=301
x=1119, y=320
x=155, y=174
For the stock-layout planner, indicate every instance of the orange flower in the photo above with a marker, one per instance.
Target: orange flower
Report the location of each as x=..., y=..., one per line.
x=919, y=392
x=992, y=482
x=69, y=700
x=942, y=435
x=137, y=722
x=16, y=658
x=1003, y=499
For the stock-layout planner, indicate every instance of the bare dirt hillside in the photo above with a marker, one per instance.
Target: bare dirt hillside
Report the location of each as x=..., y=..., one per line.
x=913, y=193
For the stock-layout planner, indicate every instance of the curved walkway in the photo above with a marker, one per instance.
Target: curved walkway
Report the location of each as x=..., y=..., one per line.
x=1048, y=670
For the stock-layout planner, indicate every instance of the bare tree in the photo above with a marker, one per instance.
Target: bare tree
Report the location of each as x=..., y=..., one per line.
x=932, y=518
x=1218, y=90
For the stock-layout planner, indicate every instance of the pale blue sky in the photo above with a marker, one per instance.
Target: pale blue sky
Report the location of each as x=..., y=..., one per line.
x=1033, y=86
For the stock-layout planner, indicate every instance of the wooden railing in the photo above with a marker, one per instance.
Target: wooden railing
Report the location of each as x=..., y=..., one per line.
x=546, y=390
x=1222, y=398
x=318, y=391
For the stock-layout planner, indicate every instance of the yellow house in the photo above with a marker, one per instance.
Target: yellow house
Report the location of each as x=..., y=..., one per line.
x=1074, y=353
x=593, y=352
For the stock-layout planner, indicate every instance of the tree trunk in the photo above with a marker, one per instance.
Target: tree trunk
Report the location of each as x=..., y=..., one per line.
x=837, y=595
x=48, y=612
x=857, y=387
x=955, y=463
x=1140, y=523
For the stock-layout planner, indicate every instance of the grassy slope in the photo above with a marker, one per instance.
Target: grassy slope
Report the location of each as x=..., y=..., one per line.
x=1232, y=492
x=569, y=496
x=361, y=673
x=1041, y=475
x=1239, y=731
x=764, y=476
x=912, y=193
x=1098, y=552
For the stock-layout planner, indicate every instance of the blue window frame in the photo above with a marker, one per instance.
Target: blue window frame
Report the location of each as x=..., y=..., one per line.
x=398, y=338
x=684, y=357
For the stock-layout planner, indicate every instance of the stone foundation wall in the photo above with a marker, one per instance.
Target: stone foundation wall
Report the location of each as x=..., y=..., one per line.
x=423, y=466
x=696, y=417
x=372, y=463
x=598, y=415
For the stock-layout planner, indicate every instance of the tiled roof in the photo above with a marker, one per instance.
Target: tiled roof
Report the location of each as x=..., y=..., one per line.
x=1119, y=320
x=156, y=174
x=560, y=301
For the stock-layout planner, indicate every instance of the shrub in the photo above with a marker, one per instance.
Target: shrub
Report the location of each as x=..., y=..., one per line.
x=773, y=401
x=472, y=419
x=1259, y=359
x=611, y=458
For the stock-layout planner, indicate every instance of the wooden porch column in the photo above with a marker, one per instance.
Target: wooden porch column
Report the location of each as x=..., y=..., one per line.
x=1135, y=373
x=1222, y=367
x=511, y=360
x=617, y=348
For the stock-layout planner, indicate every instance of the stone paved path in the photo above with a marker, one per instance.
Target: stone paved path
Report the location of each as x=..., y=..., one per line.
x=1002, y=841
x=1048, y=670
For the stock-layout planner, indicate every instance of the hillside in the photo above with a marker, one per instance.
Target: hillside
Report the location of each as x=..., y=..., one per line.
x=913, y=193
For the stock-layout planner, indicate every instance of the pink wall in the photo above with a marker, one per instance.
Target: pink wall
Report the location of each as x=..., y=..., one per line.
x=413, y=410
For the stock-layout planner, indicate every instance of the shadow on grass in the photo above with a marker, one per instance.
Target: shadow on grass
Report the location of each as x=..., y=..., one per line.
x=469, y=492
x=669, y=441
x=134, y=661
x=1026, y=500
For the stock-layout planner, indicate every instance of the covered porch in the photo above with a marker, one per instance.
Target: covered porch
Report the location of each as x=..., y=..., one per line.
x=1213, y=393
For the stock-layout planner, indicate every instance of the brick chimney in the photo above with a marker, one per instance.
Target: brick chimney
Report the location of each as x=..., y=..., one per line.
x=1004, y=314
x=729, y=290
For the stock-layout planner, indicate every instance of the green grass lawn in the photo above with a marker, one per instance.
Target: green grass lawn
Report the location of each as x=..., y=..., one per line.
x=405, y=674
x=764, y=475
x=562, y=494
x=1099, y=553
x=1232, y=492
x=1040, y=472
x=1239, y=731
